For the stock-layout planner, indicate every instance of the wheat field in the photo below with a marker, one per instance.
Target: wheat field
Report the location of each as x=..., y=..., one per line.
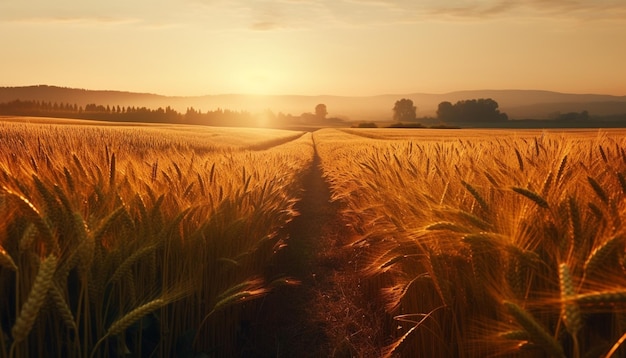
x=488, y=243
x=138, y=240
x=149, y=240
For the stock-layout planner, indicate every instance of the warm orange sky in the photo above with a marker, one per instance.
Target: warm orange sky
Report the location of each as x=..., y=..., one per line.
x=311, y=47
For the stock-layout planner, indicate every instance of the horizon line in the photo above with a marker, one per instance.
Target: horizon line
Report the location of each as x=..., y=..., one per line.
x=316, y=95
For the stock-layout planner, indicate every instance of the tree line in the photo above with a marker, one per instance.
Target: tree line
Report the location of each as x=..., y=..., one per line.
x=464, y=111
x=127, y=114
x=218, y=117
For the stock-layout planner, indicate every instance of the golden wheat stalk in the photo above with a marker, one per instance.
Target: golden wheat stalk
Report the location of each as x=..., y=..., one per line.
x=395, y=348
x=112, y=171
x=596, y=211
x=6, y=260
x=106, y=224
x=33, y=214
x=515, y=335
x=86, y=246
x=440, y=278
x=446, y=225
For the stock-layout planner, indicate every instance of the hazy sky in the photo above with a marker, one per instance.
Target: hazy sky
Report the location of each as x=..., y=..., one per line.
x=339, y=47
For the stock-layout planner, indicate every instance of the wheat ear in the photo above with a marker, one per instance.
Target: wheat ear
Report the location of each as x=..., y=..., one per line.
x=622, y=181
x=561, y=168
x=601, y=253
x=602, y=298
x=131, y=317
x=545, y=188
x=532, y=196
x=61, y=305
x=520, y=161
x=537, y=333
x=479, y=199
x=68, y=179
x=570, y=311
x=125, y=267
x=36, y=297
x=598, y=189
x=604, y=158
x=575, y=223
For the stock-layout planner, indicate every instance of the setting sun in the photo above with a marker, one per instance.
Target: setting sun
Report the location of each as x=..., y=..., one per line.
x=250, y=81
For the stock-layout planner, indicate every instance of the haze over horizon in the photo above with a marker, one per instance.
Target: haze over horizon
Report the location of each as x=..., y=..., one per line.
x=315, y=47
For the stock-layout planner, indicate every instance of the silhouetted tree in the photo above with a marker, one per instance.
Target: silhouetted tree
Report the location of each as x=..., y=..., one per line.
x=445, y=111
x=321, y=111
x=573, y=116
x=367, y=125
x=471, y=110
x=404, y=110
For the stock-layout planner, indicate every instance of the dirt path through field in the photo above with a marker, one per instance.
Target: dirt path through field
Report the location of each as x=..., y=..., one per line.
x=327, y=315
x=284, y=325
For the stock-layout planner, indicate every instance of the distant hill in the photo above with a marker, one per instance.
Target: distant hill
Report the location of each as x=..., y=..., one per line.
x=518, y=104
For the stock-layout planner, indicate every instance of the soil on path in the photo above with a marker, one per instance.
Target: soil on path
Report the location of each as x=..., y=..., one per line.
x=282, y=326
x=324, y=315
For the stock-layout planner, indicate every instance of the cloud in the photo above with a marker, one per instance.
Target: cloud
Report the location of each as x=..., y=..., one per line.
x=266, y=16
x=381, y=11
x=83, y=13
x=475, y=10
x=314, y=14
x=280, y=15
x=63, y=20
x=557, y=9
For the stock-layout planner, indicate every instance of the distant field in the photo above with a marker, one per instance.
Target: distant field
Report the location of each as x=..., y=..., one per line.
x=468, y=134
x=218, y=137
x=152, y=240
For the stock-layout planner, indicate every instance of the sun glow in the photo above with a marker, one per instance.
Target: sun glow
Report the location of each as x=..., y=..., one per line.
x=344, y=48
x=253, y=81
